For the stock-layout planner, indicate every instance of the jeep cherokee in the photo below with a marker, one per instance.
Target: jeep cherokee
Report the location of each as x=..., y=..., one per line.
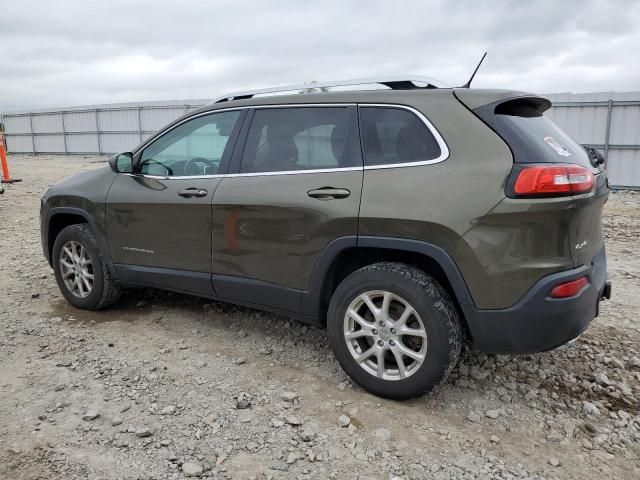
x=405, y=220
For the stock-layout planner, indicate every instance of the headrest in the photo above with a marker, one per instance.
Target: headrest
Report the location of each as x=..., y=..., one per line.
x=338, y=141
x=283, y=151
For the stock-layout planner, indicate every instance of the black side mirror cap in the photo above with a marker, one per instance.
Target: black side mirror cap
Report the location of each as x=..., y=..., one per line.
x=122, y=162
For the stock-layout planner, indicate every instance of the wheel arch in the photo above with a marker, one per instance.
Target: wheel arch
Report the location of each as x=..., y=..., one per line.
x=345, y=255
x=57, y=222
x=61, y=217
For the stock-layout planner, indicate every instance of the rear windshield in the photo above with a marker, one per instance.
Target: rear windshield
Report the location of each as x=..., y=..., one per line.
x=534, y=138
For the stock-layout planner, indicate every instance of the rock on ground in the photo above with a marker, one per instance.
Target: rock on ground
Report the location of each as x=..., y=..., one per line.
x=187, y=386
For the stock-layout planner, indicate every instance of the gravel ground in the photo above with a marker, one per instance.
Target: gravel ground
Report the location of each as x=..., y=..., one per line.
x=165, y=386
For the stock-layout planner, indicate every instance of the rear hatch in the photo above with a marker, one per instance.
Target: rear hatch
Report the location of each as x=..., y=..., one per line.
x=535, y=139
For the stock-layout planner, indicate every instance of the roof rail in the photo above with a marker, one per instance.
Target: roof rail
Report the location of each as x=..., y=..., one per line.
x=397, y=82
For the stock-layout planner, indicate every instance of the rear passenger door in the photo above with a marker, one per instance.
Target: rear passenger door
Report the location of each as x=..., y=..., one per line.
x=296, y=187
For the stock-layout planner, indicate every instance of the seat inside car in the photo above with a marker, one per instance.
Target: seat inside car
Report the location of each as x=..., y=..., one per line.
x=281, y=152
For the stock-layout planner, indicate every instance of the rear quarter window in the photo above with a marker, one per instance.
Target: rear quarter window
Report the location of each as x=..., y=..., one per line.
x=395, y=136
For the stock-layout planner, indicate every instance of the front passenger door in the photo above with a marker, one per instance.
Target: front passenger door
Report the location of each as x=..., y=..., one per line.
x=159, y=218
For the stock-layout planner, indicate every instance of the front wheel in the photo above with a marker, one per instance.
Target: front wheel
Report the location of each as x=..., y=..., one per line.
x=394, y=330
x=81, y=273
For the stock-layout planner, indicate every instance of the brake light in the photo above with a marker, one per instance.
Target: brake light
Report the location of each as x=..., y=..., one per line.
x=569, y=289
x=552, y=180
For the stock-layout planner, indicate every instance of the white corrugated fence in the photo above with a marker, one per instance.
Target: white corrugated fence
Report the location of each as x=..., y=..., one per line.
x=95, y=129
x=607, y=121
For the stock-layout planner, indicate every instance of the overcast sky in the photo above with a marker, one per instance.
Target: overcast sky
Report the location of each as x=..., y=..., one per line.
x=83, y=52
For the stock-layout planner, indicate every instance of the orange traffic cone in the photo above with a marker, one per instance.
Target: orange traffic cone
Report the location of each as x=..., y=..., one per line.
x=6, y=178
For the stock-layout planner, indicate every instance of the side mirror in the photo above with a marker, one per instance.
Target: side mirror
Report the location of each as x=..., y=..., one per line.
x=122, y=163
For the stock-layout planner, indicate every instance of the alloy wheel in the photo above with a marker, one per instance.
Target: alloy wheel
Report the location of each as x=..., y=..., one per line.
x=385, y=335
x=76, y=269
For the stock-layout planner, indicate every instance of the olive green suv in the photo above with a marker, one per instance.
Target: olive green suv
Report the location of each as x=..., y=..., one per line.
x=405, y=219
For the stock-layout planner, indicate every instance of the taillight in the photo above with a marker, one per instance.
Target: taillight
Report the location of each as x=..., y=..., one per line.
x=569, y=289
x=538, y=180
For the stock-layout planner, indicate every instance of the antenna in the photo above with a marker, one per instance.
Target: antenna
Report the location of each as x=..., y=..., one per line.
x=468, y=84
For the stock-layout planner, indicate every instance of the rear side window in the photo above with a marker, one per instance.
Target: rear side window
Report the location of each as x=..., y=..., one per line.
x=300, y=138
x=394, y=135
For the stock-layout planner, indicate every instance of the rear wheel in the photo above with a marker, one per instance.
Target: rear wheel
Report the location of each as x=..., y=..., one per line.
x=394, y=330
x=81, y=273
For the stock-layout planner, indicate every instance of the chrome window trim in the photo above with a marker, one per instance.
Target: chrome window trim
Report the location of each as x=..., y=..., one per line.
x=185, y=177
x=444, y=149
x=294, y=172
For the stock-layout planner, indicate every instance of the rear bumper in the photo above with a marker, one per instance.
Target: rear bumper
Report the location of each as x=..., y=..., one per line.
x=538, y=322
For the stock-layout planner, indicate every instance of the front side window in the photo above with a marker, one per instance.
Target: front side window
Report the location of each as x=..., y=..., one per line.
x=394, y=135
x=300, y=138
x=194, y=148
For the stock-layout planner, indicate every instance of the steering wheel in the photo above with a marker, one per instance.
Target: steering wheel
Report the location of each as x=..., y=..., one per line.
x=191, y=165
x=150, y=161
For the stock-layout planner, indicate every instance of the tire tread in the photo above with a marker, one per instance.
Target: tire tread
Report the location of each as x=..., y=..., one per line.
x=441, y=301
x=111, y=289
x=433, y=288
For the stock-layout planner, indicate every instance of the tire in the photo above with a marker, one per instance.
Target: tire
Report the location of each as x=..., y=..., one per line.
x=435, y=317
x=104, y=291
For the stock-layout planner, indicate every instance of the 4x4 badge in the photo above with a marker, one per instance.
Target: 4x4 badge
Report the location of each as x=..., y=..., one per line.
x=580, y=245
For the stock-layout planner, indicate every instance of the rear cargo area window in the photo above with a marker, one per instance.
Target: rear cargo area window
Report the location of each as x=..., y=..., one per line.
x=394, y=135
x=534, y=137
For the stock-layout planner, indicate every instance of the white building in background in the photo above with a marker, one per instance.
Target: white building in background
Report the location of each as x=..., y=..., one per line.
x=608, y=121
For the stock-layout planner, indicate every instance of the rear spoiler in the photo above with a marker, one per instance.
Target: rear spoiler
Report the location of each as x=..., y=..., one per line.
x=476, y=98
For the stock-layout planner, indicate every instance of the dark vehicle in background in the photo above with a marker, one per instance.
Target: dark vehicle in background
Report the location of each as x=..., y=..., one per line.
x=406, y=220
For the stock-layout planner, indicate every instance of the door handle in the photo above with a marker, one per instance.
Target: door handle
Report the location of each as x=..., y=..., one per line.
x=328, y=193
x=193, y=192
